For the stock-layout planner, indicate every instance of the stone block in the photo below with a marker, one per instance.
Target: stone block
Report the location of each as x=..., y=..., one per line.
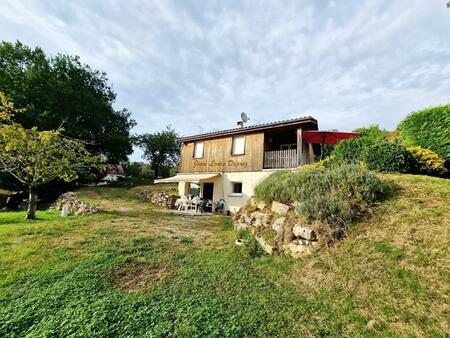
x=278, y=224
x=280, y=208
x=304, y=233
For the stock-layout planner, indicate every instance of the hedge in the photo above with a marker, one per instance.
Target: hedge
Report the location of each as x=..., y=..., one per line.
x=429, y=129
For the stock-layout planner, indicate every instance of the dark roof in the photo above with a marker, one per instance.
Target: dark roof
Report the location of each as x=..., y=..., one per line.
x=256, y=127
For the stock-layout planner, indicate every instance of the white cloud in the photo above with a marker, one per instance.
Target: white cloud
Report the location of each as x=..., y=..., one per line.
x=197, y=65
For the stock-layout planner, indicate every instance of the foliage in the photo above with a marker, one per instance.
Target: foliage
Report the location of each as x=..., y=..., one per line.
x=160, y=148
x=372, y=132
x=36, y=157
x=325, y=151
x=339, y=195
x=137, y=170
x=429, y=129
x=388, y=157
x=61, y=91
x=334, y=196
x=376, y=155
x=427, y=161
x=7, y=109
x=352, y=149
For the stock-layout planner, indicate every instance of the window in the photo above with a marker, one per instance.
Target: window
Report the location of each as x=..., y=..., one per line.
x=238, y=147
x=237, y=187
x=198, y=150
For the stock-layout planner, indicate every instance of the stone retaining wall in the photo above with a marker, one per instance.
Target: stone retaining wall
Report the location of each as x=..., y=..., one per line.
x=277, y=228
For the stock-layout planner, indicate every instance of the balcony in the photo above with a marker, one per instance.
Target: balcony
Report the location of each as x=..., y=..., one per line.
x=277, y=159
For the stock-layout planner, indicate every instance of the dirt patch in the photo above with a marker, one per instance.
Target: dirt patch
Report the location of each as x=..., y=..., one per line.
x=135, y=277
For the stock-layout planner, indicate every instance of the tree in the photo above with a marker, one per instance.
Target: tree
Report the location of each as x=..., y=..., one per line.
x=160, y=148
x=61, y=91
x=373, y=132
x=36, y=157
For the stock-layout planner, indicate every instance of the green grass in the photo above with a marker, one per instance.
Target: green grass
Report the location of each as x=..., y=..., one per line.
x=145, y=272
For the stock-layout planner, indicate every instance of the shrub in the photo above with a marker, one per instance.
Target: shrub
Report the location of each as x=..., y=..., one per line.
x=281, y=186
x=340, y=195
x=373, y=132
x=376, y=155
x=429, y=129
x=334, y=196
x=427, y=161
x=352, y=149
x=388, y=156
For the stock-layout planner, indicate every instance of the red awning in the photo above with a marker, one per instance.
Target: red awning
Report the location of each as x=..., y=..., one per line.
x=326, y=137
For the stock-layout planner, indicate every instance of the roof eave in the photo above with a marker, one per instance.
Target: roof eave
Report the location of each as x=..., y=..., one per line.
x=249, y=129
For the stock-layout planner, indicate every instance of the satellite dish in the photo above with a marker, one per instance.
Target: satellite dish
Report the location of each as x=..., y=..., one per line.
x=244, y=117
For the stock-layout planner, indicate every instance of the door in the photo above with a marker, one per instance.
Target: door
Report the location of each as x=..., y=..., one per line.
x=208, y=190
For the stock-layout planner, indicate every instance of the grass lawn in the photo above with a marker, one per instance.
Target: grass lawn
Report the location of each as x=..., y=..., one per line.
x=136, y=270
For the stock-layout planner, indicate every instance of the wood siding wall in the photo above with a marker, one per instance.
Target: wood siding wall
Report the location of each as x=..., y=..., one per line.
x=217, y=156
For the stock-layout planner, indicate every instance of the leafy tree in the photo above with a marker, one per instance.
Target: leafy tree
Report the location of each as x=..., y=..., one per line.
x=137, y=170
x=373, y=132
x=160, y=149
x=429, y=129
x=36, y=157
x=60, y=91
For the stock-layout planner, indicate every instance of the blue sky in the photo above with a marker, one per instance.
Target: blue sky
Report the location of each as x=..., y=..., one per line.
x=197, y=64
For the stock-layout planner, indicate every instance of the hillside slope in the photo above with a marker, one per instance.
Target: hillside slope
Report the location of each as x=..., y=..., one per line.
x=136, y=270
x=392, y=271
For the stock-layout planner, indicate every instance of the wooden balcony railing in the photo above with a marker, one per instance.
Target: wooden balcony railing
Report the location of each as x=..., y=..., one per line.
x=280, y=159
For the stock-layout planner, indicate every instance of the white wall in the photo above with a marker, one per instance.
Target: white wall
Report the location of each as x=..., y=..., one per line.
x=223, y=187
x=249, y=181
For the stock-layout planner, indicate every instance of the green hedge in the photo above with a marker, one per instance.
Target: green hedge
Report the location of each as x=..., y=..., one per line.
x=388, y=157
x=429, y=129
x=352, y=149
x=378, y=155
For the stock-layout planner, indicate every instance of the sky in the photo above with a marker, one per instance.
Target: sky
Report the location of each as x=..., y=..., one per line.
x=196, y=65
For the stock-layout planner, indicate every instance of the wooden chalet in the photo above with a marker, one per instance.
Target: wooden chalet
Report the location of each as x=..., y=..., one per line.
x=228, y=164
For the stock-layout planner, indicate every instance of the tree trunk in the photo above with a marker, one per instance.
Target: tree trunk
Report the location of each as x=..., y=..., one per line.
x=32, y=203
x=156, y=170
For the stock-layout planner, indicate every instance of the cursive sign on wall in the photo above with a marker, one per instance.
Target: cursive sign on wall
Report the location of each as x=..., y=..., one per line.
x=219, y=165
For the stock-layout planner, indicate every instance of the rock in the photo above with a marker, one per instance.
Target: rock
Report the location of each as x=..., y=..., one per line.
x=261, y=219
x=279, y=223
x=247, y=219
x=288, y=235
x=280, y=208
x=304, y=232
x=266, y=246
x=296, y=250
x=161, y=198
x=240, y=225
x=261, y=205
x=71, y=204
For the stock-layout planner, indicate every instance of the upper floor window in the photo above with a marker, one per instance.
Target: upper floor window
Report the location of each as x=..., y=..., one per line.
x=198, y=150
x=238, y=147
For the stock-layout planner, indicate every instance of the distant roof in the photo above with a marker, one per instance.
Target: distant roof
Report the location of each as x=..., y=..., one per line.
x=256, y=127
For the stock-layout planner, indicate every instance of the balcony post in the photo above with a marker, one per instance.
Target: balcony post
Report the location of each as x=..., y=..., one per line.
x=299, y=147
